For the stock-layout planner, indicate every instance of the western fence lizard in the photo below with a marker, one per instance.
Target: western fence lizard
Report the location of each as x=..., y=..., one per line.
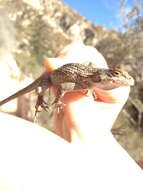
x=71, y=77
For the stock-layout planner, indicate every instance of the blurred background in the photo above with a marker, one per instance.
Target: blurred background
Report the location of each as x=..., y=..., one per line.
x=31, y=30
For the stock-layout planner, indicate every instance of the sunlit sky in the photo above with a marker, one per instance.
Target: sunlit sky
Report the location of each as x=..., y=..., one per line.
x=101, y=12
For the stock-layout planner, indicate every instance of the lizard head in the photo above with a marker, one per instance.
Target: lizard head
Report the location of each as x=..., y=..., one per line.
x=117, y=78
x=112, y=78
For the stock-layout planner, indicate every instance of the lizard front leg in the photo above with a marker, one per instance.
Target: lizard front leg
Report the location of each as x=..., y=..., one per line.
x=57, y=102
x=68, y=87
x=64, y=88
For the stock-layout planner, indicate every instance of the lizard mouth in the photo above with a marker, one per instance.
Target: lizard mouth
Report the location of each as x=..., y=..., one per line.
x=115, y=84
x=130, y=82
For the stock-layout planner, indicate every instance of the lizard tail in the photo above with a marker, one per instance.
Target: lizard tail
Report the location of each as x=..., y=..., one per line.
x=43, y=81
x=17, y=94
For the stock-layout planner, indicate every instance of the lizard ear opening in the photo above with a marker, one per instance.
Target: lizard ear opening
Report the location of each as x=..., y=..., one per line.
x=95, y=78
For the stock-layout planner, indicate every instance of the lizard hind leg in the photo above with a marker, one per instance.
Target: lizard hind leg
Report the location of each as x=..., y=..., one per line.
x=40, y=100
x=40, y=103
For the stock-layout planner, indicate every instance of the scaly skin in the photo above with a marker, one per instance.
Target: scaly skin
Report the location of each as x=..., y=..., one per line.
x=74, y=76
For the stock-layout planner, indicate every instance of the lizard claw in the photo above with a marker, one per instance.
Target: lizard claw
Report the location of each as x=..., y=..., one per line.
x=59, y=106
x=41, y=103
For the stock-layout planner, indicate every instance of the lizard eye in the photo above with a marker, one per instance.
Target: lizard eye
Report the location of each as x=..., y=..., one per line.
x=116, y=73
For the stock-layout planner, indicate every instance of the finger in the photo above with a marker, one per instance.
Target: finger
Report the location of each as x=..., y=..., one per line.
x=114, y=96
x=78, y=52
x=53, y=63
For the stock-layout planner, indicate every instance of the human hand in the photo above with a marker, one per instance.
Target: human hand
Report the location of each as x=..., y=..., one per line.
x=84, y=118
x=34, y=158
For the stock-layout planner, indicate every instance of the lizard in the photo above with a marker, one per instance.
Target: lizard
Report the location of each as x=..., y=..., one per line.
x=71, y=77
